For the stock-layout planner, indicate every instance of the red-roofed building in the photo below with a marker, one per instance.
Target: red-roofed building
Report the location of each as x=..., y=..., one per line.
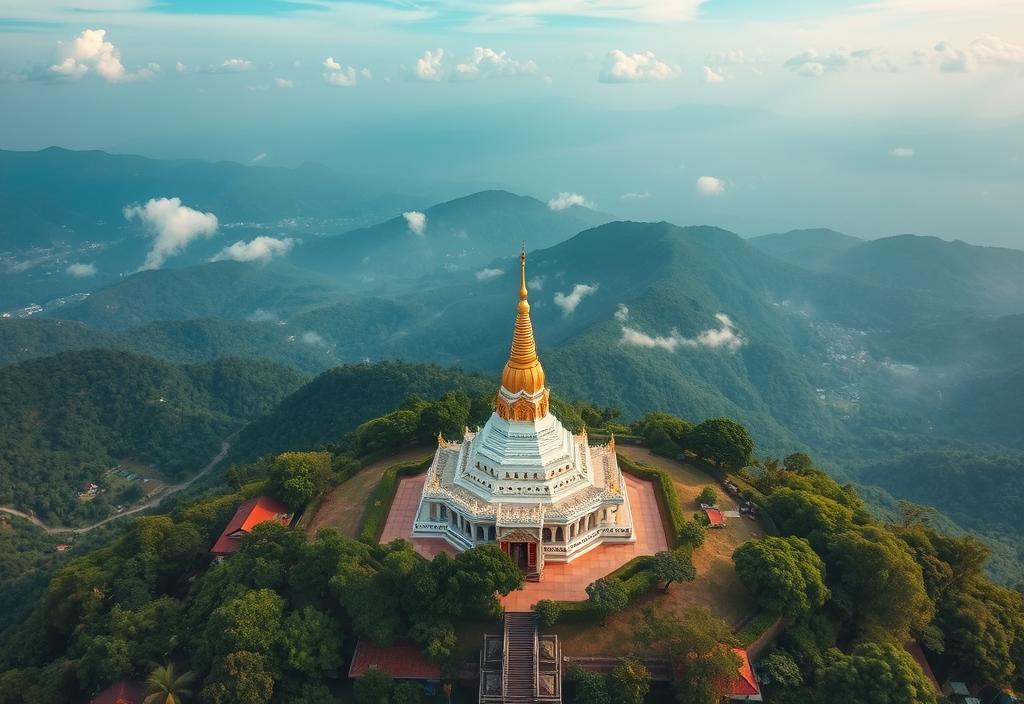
x=715, y=516
x=915, y=652
x=250, y=514
x=744, y=688
x=123, y=692
x=402, y=660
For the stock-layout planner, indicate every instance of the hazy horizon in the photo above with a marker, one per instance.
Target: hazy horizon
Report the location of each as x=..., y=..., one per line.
x=871, y=118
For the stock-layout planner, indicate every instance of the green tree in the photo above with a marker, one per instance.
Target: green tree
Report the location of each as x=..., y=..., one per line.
x=407, y=693
x=984, y=630
x=782, y=669
x=447, y=416
x=243, y=677
x=877, y=582
x=708, y=496
x=799, y=462
x=607, y=595
x=692, y=533
x=877, y=673
x=547, y=611
x=673, y=566
x=590, y=687
x=723, y=441
x=375, y=687
x=663, y=432
x=165, y=685
x=785, y=575
x=629, y=682
x=808, y=515
x=310, y=643
x=296, y=478
x=250, y=622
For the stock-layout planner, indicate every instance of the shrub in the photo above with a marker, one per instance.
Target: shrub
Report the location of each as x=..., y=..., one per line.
x=708, y=496
x=693, y=533
x=547, y=611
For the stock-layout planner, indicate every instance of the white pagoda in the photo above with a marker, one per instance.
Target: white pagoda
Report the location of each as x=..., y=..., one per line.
x=524, y=481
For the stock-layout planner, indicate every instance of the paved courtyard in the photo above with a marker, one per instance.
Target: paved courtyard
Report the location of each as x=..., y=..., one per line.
x=560, y=581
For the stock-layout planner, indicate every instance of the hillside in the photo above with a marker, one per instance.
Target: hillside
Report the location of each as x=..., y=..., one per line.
x=460, y=235
x=69, y=417
x=58, y=195
x=812, y=249
x=954, y=275
x=232, y=290
x=334, y=403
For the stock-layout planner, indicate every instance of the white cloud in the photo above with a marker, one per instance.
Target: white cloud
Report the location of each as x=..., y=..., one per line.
x=180, y=67
x=635, y=196
x=236, y=65
x=902, y=152
x=812, y=64
x=259, y=249
x=990, y=49
x=506, y=15
x=429, y=67
x=725, y=336
x=68, y=68
x=342, y=76
x=263, y=316
x=620, y=67
x=91, y=50
x=416, y=221
x=341, y=79
x=488, y=274
x=566, y=200
x=730, y=56
x=569, y=302
x=986, y=49
x=487, y=63
x=284, y=83
x=173, y=225
x=258, y=158
x=81, y=271
x=712, y=76
x=536, y=283
x=311, y=338
x=710, y=186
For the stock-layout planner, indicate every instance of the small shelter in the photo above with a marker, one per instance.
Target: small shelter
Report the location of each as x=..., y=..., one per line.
x=249, y=514
x=745, y=687
x=402, y=660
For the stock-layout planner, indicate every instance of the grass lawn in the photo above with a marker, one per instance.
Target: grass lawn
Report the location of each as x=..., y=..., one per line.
x=343, y=506
x=717, y=588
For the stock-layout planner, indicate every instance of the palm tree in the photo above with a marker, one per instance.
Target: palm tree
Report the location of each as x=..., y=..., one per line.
x=165, y=686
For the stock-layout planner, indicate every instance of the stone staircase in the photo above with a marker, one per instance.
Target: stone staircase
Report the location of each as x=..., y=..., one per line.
x=520, y=666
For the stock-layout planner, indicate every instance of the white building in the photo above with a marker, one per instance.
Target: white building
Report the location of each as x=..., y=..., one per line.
x=524, y=481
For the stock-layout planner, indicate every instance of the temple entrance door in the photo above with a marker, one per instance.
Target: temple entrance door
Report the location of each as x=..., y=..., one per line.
x=519, y=556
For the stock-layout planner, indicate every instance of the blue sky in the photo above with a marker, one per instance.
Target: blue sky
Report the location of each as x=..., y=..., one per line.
x=913, y=106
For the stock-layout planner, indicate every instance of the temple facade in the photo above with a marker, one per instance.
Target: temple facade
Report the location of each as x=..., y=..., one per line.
x=523, y=481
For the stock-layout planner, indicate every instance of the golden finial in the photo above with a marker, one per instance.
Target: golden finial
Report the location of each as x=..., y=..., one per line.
x=440, y=439
x=611, y=442
x=523, y=371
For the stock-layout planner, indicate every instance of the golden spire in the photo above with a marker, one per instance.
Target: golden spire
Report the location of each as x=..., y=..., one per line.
x=523, y=371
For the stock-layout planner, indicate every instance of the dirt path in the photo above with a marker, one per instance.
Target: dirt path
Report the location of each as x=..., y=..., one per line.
x=343, y=507
x=152, y=503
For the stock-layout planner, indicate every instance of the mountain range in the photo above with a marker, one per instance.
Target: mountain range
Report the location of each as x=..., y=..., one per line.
x=883, y=357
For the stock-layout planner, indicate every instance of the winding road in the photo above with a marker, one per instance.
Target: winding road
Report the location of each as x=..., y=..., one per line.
x=152, y=503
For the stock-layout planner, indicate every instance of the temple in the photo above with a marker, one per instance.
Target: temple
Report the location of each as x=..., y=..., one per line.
x=523, y=481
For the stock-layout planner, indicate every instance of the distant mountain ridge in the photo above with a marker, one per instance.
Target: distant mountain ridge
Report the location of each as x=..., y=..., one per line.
x=459, y=235
x=954, y=274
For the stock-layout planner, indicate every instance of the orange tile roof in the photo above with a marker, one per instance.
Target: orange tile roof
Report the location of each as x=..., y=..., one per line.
x=250, y=514
x=915, y=651
x=402, y=660
x=745, y=683
x=123, y=692
x=715, y=516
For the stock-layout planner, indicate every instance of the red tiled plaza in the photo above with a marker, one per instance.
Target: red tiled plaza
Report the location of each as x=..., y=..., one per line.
x=564, y=581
